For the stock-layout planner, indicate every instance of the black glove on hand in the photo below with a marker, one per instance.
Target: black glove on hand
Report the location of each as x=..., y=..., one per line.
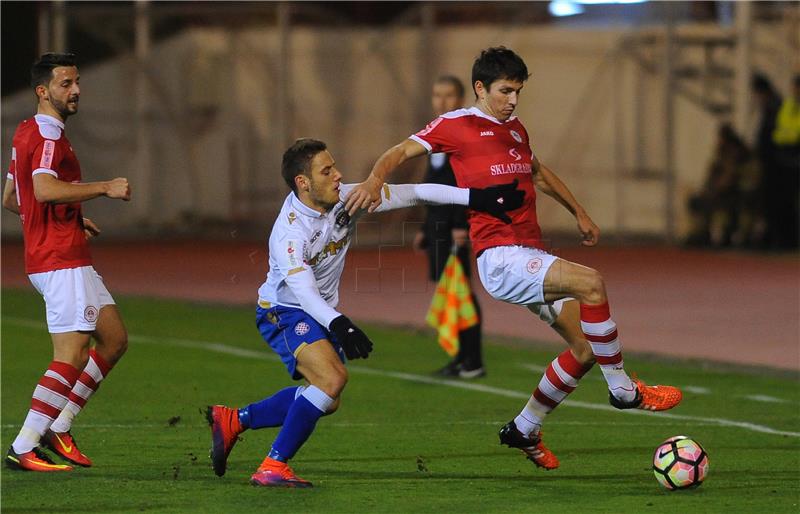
x=497, y=200
x=354, y=341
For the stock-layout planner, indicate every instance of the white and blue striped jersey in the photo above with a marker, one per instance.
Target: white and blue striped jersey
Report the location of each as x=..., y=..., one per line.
x=307, y=248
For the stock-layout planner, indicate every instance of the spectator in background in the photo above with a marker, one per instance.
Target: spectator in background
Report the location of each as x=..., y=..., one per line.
x=725, y=211
x=445, y=227
x=769, y=102
x=786, y=137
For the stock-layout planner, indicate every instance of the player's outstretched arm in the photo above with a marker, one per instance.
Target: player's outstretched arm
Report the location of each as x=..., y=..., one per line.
x=495, y=200
x=49, y=189
x=10, y=196
x=368, y=193
x=549, y=183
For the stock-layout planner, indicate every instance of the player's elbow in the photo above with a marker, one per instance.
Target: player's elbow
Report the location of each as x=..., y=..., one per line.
x=10, y=203
x=43, y=194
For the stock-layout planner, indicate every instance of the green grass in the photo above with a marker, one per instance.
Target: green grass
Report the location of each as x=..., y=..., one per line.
x=367, y=457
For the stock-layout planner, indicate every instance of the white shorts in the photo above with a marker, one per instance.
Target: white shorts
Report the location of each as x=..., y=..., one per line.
x=73, y=298
x=515, y=274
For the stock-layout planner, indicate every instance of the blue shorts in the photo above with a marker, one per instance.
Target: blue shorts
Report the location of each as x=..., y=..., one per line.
x=288, y=330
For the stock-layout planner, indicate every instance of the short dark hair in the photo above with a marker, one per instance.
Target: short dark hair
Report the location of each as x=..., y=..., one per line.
x=498, y=63
x=453, y=81
x=42, y=69
x=297, y=159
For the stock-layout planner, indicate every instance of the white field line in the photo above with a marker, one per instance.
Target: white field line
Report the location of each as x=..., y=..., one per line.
x=764, y=398
x=409, y=377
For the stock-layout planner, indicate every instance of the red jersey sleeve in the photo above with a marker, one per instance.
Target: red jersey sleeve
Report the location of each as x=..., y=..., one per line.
x=440, y=135
x=46, y=157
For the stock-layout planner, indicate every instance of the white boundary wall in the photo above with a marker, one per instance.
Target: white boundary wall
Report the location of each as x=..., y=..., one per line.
x=360, y=89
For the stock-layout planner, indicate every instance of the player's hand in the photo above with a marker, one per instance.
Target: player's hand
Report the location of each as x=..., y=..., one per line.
x=354, y=341
x=365, y=195
x=90, y=229
x=119, y=188
x=460, y=237
x=587, y=228
x=497, y=200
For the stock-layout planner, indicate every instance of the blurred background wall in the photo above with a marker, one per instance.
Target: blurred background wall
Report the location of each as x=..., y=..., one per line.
x=195, y=102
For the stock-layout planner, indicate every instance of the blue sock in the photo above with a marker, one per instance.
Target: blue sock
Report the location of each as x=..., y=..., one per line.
x=269, y=412
x=300, y=422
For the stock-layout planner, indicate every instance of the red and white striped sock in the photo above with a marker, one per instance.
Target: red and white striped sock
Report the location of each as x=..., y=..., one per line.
x=560, y=378
x=95, y=371
x=601, y=332
x=49, y=398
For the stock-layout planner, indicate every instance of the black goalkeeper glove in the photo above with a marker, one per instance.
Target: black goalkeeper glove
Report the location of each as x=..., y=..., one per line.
x=354, y=341
x=497, y=200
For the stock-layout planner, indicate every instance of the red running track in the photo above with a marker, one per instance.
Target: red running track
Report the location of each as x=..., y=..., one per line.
x=729, y=307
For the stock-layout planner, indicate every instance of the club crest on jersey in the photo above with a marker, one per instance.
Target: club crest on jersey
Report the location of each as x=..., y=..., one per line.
x=516, y=136
x=90, y=313
x=534, y=265
x=302, y=328
x=342, y=219
x=292, y=216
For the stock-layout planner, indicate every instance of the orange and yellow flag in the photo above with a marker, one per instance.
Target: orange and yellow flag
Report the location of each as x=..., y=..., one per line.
x=452, y=309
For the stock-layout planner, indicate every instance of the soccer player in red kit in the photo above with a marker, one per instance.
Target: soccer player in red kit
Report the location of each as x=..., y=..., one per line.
x=44, y=188
x=487, y=145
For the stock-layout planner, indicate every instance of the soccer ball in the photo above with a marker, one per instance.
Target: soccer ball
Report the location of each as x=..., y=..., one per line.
x=680, y=463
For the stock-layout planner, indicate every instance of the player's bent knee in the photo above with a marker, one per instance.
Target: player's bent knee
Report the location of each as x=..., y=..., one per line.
x=112, y=351
x=594, y=288
x=334, y=381
x=121, y=347
x=334, y=407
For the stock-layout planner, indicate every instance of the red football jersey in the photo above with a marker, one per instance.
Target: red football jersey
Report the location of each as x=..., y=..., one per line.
x=53, y=233
x=485, y=152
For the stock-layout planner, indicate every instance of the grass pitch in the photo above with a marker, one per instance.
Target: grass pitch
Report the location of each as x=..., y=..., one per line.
x=401, y=442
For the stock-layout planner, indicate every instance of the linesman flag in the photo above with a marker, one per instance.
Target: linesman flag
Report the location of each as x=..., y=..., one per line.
x=452, y=309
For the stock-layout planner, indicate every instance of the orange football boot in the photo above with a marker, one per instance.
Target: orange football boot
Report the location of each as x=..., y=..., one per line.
x=34, y=460
x=63, y=444
x=652, y=398
x=225, y=430
x=274, y=473
x=532, y=446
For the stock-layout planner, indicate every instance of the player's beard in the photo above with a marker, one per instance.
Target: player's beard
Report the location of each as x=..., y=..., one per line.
x=318, y=197
x=63, y=108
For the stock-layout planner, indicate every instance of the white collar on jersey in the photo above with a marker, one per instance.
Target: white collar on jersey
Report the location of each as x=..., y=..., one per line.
x=46, y=119
x=477, y=112
x=303, y=208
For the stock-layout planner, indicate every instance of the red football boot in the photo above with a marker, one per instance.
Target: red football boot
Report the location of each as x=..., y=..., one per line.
x=225, y=430
x=274, y=473
x=63, y=445
x=34, y=460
